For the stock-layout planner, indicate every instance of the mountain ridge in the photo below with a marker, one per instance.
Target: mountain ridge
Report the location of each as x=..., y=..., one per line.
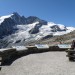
x=18, y=30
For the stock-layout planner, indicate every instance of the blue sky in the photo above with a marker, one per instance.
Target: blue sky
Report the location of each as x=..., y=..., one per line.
x=58, y=11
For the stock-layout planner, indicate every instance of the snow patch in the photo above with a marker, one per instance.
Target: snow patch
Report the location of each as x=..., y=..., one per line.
x=62, y=27
x=4, y=17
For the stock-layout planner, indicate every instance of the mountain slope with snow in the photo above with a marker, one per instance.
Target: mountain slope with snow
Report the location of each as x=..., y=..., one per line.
x=19, y=30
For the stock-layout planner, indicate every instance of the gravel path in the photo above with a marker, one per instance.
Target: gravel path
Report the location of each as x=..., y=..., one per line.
x=49, y=63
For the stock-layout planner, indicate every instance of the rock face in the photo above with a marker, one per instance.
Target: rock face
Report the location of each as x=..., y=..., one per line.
x=18, y=19
x=56, y=28
x=35, y=29
x=46, y=37
x=7, y=26
x=33, y=19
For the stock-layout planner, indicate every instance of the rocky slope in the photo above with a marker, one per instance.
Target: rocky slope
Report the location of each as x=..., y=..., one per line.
x=64, y=39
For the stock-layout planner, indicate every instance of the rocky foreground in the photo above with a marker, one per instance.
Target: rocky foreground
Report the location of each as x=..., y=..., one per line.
x=48, y=63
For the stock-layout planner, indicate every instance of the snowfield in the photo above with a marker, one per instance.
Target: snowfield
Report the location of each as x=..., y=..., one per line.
x=2, y=18
x=44, y=30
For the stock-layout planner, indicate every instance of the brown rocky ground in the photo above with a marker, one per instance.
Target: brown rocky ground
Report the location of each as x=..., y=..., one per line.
x=67, y=38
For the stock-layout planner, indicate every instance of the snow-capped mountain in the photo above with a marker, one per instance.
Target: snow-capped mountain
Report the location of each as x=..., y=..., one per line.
x=17, y=29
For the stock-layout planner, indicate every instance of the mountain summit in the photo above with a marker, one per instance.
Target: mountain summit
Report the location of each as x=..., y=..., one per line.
x=8, y=22
x=19, y=30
